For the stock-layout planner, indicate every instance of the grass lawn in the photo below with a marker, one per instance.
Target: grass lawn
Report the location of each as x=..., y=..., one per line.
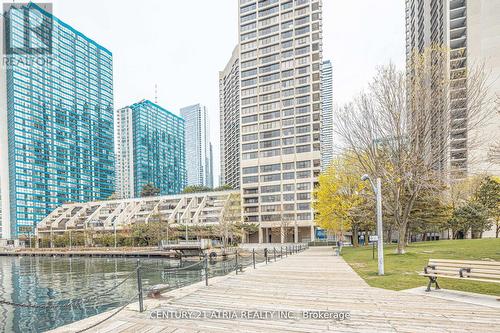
x=401, y=271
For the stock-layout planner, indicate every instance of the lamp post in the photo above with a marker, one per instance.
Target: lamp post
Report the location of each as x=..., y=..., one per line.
x=377, y=188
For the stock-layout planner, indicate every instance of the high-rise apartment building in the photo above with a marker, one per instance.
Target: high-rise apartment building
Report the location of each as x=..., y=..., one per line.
x=149, y=150
x=326, y=114
x=468, y=30
x=280, y=99
x=56, y=119
x=229, y=104
x=198, y=148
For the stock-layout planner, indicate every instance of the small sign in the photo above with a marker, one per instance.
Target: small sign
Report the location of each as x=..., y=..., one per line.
x=373, y=238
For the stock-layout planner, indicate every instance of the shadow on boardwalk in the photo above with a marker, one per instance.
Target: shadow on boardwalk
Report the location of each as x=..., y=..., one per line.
x=311, y=280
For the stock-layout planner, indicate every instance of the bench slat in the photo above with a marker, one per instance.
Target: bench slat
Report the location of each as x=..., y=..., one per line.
x=476, y=262
x=459, y=278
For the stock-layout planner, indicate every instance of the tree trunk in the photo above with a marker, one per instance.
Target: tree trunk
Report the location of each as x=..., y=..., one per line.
x=498, y=229
x=355, y=242
x=402, y=239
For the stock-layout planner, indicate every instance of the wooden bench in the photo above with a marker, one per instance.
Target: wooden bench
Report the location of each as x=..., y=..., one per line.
x=469, y=270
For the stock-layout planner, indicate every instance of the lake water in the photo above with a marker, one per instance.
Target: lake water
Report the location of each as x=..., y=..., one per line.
x=60, y=281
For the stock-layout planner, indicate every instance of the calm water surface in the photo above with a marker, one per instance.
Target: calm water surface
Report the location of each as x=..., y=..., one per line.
x=59, y=280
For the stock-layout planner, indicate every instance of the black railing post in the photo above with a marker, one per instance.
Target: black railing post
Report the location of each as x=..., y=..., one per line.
x=286, y=251
x=265, y=254
x=139, y=286
x=281, y=252
x=206, y=269
x=274, y=253
x=253, y=258
x=236, y=262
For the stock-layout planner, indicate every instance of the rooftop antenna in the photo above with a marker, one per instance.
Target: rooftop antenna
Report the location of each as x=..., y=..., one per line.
x=156, y=93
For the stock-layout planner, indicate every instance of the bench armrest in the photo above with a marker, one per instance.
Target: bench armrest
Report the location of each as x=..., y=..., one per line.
x=429, y=266
x=462, y=270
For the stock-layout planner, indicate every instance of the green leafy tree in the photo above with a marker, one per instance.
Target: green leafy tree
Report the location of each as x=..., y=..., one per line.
x=149, y=190
x=471, y=217
x=488, y=195
x=225, y=187
x=196, y=189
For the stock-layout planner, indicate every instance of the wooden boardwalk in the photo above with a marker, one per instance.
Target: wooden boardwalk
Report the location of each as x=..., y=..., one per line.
x=311, y=280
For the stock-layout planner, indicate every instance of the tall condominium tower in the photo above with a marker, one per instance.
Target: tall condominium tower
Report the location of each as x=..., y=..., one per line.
x=56, y=119
x=198, y=147
x=149, y=150
x=280, y=82
x=326, y=114
x=468, y=30
x=229, y=103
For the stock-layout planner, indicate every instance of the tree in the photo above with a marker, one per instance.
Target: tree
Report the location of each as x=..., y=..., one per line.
x=149, y=190
x=228, y=227
x=338, y=197
x=225, y=187
x=471, y=217
x=488, y=195
x=196, y=189
x=398, y=131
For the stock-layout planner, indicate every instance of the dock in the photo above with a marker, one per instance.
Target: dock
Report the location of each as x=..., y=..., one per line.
x=313, y=280
x=91, y=253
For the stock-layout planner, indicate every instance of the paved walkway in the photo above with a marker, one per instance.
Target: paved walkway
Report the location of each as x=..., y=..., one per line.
x=311, y=280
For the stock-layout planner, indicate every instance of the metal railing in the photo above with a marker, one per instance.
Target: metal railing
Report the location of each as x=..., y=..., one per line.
x=242, y=259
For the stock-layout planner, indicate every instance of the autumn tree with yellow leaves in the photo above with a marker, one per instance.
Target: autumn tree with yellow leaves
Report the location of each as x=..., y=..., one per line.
x=340, y=203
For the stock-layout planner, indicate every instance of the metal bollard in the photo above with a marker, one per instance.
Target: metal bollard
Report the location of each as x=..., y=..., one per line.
x=274, y=253
x=281, y=252
x=253, y=258
x=265, y=254
x=206, y=269
x=286, y=251
x=139, y=286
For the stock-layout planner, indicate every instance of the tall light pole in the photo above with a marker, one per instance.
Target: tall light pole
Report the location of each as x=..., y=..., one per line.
x=380, y=242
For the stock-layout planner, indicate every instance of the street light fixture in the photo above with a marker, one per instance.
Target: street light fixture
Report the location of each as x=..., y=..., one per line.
x=377, y=188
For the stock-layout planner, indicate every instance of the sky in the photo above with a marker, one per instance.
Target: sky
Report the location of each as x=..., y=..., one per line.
x=181, y=46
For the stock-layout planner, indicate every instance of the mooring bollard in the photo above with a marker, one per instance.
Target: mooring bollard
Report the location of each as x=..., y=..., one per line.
x=206, y=269
x=253, y=258
x=139, y=286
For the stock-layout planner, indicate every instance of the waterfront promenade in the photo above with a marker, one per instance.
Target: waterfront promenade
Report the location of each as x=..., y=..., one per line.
x=311, y=280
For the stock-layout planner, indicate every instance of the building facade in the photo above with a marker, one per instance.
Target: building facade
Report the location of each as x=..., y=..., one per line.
x=229, y=103
x=56, y=123
x=326, y=114
x=193, y=209
x=198, y=147
x=149, y=150
x=280, y=99
x=468, y=30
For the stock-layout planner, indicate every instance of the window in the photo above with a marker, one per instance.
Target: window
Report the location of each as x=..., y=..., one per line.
x=271, y=177
x=270, y=168
x=249, y=146
x=303, y=164
x=250, y=179
x=304, y=174
x=288, y=175
x=249, y=17
x=270, y=189
x=250, y=170
x=249, y=137
x=288, y=166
